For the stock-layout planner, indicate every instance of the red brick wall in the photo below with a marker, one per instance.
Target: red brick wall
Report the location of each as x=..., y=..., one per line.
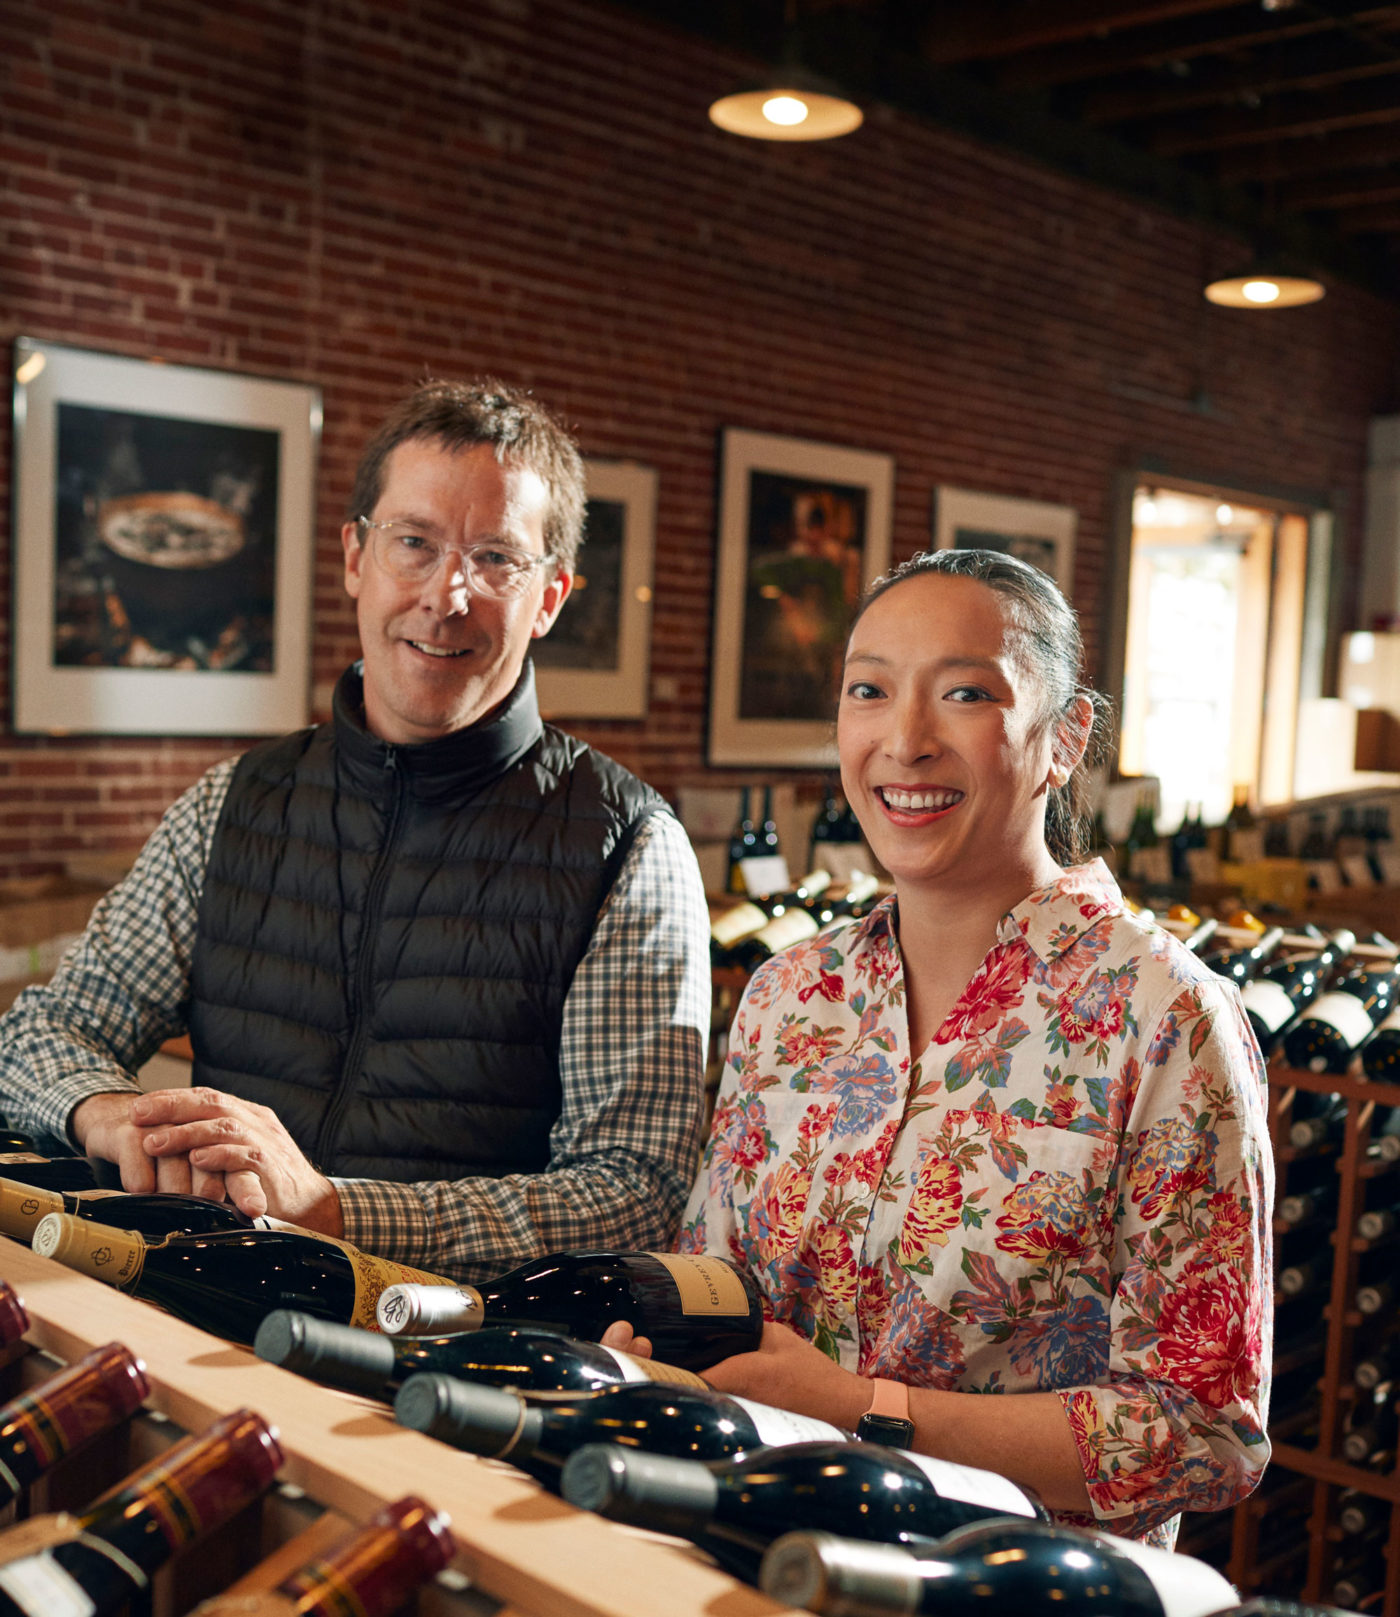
x=334, y=193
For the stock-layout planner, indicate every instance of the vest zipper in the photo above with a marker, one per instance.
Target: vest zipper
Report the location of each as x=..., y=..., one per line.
x=364, y=971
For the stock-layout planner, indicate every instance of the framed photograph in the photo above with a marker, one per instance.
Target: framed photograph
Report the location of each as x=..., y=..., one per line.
x=163, y=538
x=803, y=528
x=1032, y=530
x=594, y=662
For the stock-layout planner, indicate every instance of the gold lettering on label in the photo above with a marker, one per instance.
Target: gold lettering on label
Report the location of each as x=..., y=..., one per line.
x=706, y=1285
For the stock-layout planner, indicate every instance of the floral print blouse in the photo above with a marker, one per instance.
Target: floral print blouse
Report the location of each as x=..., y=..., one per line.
x=1070, y=1189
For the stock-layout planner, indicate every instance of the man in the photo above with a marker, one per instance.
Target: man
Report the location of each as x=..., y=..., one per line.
x=444, y=969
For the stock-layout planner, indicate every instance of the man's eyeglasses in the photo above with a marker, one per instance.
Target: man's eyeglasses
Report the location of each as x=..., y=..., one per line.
x=494, y=570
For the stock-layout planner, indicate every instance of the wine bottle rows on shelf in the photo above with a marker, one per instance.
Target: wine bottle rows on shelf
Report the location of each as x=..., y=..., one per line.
x=797, y=921
x=99, y=1560
x=371, y=1573
x=152, y=1216
x=66, y=1410
x=538, y=1435
x=375, y=1365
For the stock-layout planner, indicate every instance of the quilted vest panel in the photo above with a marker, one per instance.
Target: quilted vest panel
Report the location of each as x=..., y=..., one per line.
x=386, y=941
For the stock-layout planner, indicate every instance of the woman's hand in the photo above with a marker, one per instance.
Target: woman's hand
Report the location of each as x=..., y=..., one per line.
x=789, y=1372
x=620, y=1335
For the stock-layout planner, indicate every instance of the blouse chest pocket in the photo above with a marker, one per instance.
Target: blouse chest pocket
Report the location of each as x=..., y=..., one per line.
x=1008, y=1227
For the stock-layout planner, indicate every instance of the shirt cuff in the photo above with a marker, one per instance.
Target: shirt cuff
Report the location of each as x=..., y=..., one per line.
x=63, y=1096
x=386, y=1218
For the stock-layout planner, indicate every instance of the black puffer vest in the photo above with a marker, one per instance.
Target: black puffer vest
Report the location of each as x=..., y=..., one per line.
x=387, y=934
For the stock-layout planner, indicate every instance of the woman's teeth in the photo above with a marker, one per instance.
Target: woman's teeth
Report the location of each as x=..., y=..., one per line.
x=436, y=651
x=937, y=798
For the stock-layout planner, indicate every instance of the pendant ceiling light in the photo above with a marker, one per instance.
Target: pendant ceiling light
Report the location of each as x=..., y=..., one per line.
x=1266, y=285
x=794, y=104
x=788, y=107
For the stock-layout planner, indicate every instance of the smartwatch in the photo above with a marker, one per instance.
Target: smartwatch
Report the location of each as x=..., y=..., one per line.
x=887, y=1420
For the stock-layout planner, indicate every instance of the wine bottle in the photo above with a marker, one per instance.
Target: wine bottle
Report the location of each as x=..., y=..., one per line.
x=1240, y=964
x=1360, y=1588
x=1380, y=1053
x=66, y=1410
x=1201, y=934
x=736, y=1508
x=729, y=930
x=1375, y=1291
x=52, y=1173
x=1313, y=1275
x=228, y=1281
x=1378, y=1222
x=1370, y=1427
x=695, y=1310
x=693, y=1423
x=1030, y=1568
x=1283, y=989
x=1382, y=1363
x=376, y=1365
x=371, y=1573
x=22, y=1206
x=1359, y=1513
x=94, y=1563
x=14, y=1321
x=1308, y=1206
x=743, y=844
x=1316, y=1120
x=826, y=827
x=1334, y=1026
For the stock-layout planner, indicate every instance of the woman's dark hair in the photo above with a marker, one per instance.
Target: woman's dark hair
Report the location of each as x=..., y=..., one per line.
x=1054, y=652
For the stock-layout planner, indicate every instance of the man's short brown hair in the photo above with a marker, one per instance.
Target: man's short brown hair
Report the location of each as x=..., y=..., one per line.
x=522, y=433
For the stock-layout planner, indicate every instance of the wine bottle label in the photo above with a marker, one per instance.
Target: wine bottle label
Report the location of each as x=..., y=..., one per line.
x=635, y=1369
x=111, y=1255
x=737, y=923
x=707, y=1286
x=1269, y=1002
x=972, y=1486
x=792, y=926
x=40, y=1587
x=776, y=1426
x=1184, y=1585
x=20, y=1156
x=1345, y=1014
x=765, y=873
x=374, y=1276
x=22, y=1206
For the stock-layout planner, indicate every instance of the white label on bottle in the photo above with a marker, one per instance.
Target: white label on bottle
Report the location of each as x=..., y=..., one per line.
x=777, y=1426
x=1203, y=864
x=1246, y=844
x=792, y=926
x=1326, y=874
x=972, y=1486
x=1185, y=1586
x=1269, y=1002
x=1345, y=1013
x=1357, y=870
x=1152, y=864
x=1390, y=867
x=635, y=1369
x=40, y=1586
x=768, y=873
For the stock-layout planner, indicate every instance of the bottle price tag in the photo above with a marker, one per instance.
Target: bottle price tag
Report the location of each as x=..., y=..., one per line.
x=766, y=874
x=973, y=1486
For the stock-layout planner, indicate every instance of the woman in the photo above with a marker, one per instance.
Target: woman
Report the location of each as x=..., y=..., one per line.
x=1000, y=1136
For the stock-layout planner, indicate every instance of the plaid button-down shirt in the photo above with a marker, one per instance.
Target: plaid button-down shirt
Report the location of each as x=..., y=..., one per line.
x=622, y=1150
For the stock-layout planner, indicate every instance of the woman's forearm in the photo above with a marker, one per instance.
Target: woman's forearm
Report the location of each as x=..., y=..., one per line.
x=1024, y=1436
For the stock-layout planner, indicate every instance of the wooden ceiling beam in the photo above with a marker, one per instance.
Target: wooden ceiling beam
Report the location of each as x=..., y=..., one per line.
x=1359, y=189
x=1279, y=119
x=1331, y=154
x=1320, y=64
x=978, y=30
x=1241, y=28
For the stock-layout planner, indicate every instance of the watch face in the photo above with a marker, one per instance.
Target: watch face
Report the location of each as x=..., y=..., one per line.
x=886, y=1429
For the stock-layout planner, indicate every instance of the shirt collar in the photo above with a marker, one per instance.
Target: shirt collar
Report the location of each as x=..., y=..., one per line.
x=1051, y=920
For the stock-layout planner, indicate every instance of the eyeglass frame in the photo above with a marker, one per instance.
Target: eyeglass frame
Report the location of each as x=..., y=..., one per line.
x=526, y=560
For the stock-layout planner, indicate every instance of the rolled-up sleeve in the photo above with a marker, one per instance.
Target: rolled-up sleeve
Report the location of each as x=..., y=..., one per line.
x=1179, y=1422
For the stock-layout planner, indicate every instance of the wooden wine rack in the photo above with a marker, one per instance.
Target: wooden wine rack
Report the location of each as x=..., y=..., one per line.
x=522, y=1552
x=1246, y=1568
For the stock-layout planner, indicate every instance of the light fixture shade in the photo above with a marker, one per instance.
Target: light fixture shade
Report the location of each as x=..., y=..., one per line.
x=786, y=111
x=1264, y=287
